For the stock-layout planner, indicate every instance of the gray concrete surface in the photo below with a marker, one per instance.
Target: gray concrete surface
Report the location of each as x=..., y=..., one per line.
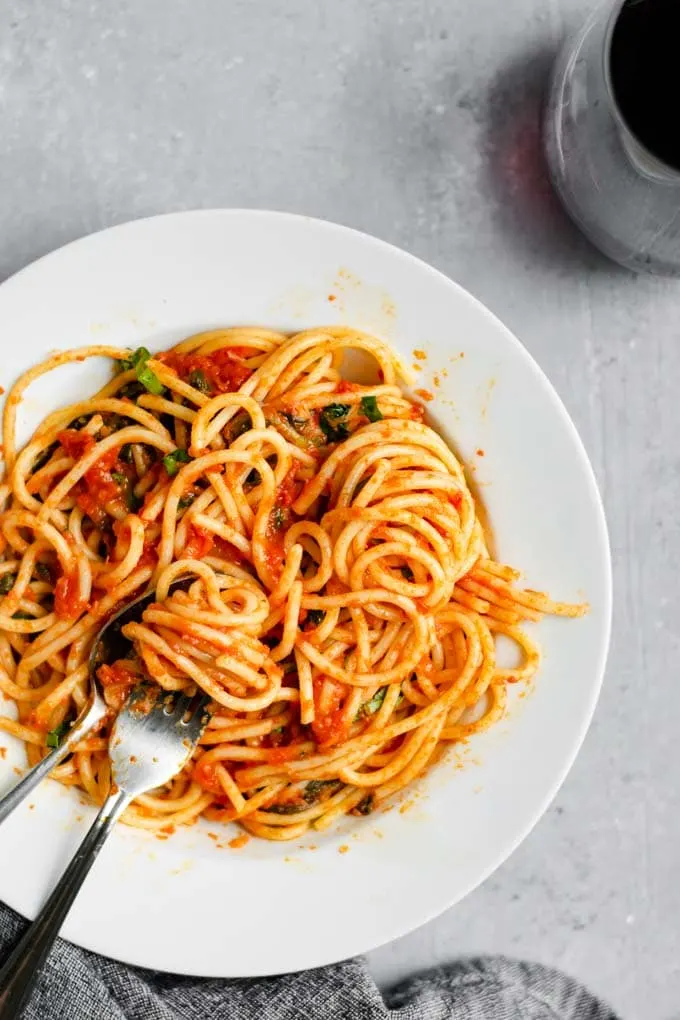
x=415, y=120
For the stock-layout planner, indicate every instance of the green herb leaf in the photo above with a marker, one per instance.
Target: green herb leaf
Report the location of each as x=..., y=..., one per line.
x=55, y=736
x=365, y=806
x=119, y=478
x=286, y=809
x=372, y=706
x=314, y=790
x=126, y=454
x=316, y=616
x=43, y=572
x=186, y=500
x=278, y=517
x=172, y=461
x=150, y=381
x=137, y=358
x=7, y=583
x=369, y=407
x=333, y=433
x=334, y=411
x=198, y=380
x=278, y=729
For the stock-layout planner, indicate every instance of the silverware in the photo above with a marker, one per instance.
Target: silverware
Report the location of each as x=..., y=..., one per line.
x=152, y=739
x=108, y=646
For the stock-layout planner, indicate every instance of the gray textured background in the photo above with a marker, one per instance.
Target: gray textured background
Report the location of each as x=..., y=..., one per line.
x=415, y=120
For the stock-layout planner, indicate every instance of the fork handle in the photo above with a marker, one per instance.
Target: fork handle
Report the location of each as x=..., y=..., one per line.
x=20, y=971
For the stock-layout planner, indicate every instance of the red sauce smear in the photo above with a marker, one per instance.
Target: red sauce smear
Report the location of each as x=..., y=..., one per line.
x=225, y=369
x=117, y=680
x=68, y=603
x=330, y=728
x=199, y=543
x=204, y=775
x=97, y=487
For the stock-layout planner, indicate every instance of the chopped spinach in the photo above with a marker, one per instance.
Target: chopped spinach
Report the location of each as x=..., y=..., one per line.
x=365, y=806
x=372, y=706
x=140, y=356
x=286, y=809
x=333, y=433
x=198, y=380
x=150, y=381
x=314, y=790
x=369, y=407
x=172, y=461
x=55, y=736
x=138, y=360
x=335, y=411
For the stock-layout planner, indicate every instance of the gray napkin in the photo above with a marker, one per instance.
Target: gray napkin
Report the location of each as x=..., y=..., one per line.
x=77, y=985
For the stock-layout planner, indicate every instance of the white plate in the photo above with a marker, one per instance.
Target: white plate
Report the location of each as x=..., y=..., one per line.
x=192, y=905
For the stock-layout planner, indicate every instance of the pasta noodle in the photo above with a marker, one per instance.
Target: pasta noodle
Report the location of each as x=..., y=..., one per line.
x=341, y=607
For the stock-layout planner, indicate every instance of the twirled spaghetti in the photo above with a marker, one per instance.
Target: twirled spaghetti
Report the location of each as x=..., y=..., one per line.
x=343, y=609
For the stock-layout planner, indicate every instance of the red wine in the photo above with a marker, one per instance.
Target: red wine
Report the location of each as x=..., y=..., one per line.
x=645, y=76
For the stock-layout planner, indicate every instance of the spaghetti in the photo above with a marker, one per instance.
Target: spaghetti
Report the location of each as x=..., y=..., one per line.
x=343, y=607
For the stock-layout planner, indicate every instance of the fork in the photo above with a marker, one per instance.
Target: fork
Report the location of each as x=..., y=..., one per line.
x=151, y=741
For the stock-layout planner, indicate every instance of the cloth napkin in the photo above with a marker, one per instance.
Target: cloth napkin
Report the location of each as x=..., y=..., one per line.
x=77, y=985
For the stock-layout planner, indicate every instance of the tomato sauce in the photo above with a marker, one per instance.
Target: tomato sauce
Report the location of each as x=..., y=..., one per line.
x=224, y=369
x=149, y=557
x=76, y=444
x=199, y=543
x=289, y=489
x=274, y=553
x=97, y=488
x=331, y=728
x=117, y=680
x=68, y=603
x=204, y=774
